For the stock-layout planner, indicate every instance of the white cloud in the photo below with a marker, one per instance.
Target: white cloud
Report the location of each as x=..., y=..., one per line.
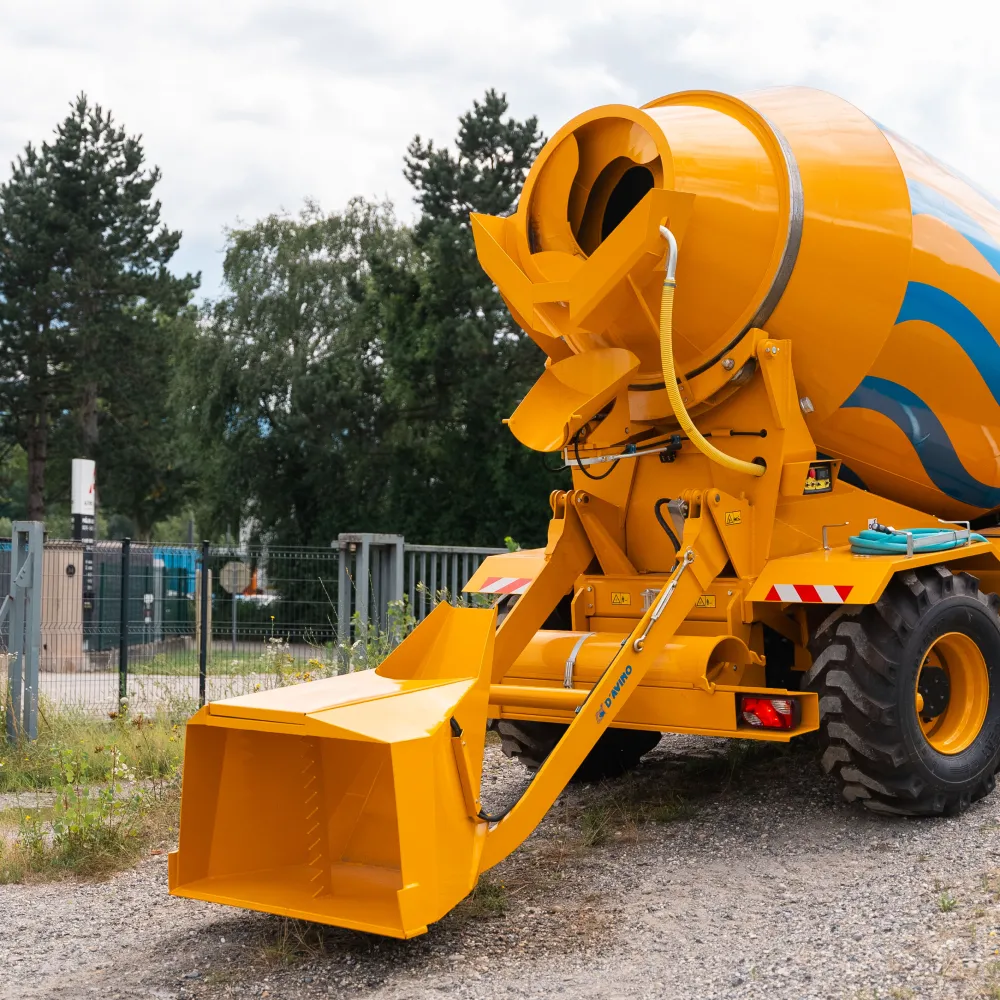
x=250, y=107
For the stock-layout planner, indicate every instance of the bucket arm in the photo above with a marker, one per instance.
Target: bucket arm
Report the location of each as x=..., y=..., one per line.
x=702, y=557
x=567, y=555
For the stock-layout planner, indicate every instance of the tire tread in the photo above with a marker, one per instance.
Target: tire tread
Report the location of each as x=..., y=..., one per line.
x=855, y=670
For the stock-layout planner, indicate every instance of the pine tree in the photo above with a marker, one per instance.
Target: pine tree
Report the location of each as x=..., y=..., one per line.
x=87, y=301
x=457, y=365
x=33, y=347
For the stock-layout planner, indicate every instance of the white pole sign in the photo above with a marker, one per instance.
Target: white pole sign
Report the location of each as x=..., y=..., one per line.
x=82, y=507
x=83, y=487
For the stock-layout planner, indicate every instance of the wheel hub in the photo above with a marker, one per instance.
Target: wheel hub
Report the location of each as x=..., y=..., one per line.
x=934, y=691
x=952, y=692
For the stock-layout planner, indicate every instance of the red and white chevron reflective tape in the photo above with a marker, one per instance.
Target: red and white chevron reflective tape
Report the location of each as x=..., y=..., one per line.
x=504, y=585
x=807, y=593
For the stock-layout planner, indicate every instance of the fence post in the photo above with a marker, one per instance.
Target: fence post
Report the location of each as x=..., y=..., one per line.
x=363, y=583
x=23, y=605
x=123, y=626
x=343, y=603
x=33, y=629
x=203, y=650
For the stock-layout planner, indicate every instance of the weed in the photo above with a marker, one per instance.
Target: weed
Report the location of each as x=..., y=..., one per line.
x=14, y=862
x=901, y=993
x=488, y=899
x=947, y=902
x=627, y=805
x=294, y=941
x=93, y=831
x=672, y=808
x=151, y=747
x=114, y=791
x=596, y=823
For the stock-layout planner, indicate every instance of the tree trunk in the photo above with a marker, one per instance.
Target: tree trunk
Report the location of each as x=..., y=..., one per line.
x=88, y=419
x=88, y=431
x=37, y=449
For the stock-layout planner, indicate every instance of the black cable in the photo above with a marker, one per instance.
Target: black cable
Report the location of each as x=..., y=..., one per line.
x=663, y=523
x=582, y=467
x=497, y=816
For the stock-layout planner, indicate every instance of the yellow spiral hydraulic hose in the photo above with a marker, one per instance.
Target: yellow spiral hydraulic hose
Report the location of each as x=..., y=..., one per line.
x=670, y=374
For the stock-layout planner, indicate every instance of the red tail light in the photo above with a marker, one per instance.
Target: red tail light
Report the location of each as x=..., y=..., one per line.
x=769, y=713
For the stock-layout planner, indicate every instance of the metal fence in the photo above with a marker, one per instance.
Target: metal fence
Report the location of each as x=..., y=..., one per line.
x=274, y=615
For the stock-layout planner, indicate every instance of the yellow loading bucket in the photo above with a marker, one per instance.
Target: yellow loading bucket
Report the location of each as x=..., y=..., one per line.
x=349, y=801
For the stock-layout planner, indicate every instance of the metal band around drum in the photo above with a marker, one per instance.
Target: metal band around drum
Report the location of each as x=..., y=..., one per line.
x=571, y=661
x=793, y=238
x=796, y=214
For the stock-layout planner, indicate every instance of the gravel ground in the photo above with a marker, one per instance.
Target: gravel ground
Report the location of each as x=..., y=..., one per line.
x=754, y=880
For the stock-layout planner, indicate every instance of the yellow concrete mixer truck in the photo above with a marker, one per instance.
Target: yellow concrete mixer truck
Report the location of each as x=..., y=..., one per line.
x=770, y=327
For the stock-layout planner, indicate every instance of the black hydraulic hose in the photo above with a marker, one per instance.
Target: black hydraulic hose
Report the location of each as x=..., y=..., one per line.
x=664, y=524
x=583, y=468
x=497, y=816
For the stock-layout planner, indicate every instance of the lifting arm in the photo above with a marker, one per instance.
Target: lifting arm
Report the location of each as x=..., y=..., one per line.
x=704, y=556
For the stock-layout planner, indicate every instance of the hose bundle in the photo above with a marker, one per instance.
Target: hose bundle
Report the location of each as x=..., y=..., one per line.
x=888, y=541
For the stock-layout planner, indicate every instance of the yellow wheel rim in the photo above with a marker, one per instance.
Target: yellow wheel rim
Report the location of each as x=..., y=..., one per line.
x=957, y=723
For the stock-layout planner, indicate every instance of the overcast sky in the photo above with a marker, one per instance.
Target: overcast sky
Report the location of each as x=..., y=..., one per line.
x=250, y=107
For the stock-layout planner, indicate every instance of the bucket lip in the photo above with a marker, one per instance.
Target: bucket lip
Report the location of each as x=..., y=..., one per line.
x=207, y=890
x=299, y=702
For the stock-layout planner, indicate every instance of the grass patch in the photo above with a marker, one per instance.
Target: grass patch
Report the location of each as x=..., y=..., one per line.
x=294, y=941
x=622, y=807
x=947, y=902
x=270, y=658
x=73, y=743
x=15, y=862
x=88, y=833
x=90, y=795
x=596, y=824
x=489, y=899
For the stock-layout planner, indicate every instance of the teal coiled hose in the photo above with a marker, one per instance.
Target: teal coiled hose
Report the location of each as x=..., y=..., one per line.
x=891, y=542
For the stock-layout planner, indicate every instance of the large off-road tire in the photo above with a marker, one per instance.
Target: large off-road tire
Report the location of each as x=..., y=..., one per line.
x=909, y=694
x=617, y=751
